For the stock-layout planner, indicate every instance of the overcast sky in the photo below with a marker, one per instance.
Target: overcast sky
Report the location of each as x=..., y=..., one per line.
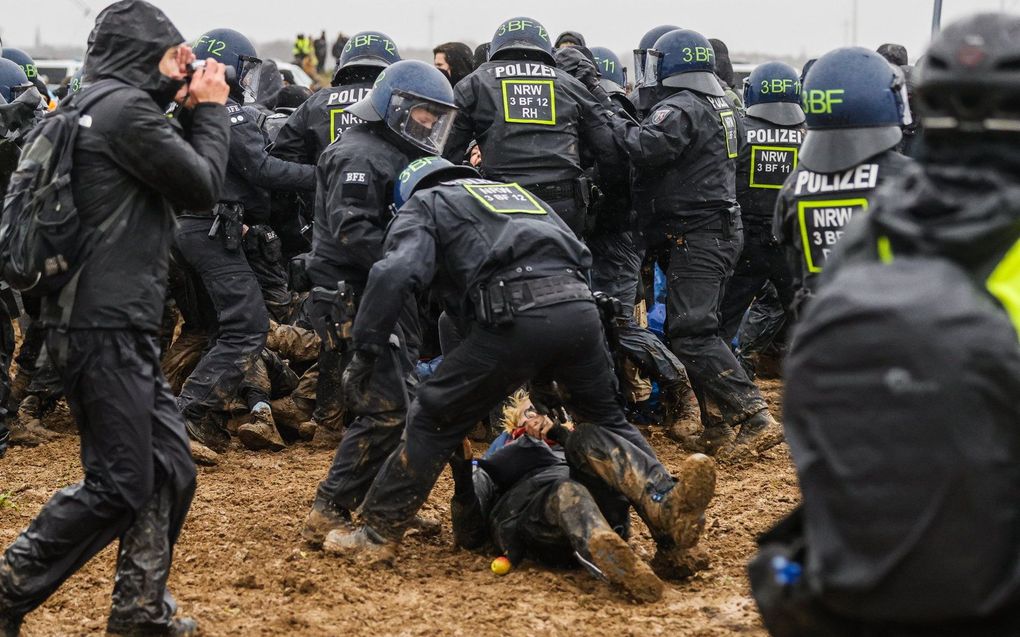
x=805, y=28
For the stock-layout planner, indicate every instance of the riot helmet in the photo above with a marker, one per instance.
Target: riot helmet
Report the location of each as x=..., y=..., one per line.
x=772, y=93
x=521, y=38
x=969, y=81
x=22, y=59
x=641, y=53
x=415, y=100
x=363, y=56
x=614, y=73
x=426, y=172
x=855, y=103
x=13, y=81
x=237, y=52
x=683, y=59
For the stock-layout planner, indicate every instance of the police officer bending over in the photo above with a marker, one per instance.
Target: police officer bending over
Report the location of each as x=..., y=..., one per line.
x=407, y=114
x=531, y=121
x=511, y=272
x=220, y=267
x=684, y=191
x=139, y=476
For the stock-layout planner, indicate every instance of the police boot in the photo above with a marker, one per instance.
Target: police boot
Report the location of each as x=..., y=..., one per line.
x=716, y=440
x=678, y=411
x=323, y=436
x=622, y=567
x=184, y=627
x=321, y=520
x=361, y=545
x=261, y=432
x=27, y=429
x=757, y=434
x=207, y=430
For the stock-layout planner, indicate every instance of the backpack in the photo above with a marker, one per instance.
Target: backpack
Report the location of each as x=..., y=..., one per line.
x=43, y=242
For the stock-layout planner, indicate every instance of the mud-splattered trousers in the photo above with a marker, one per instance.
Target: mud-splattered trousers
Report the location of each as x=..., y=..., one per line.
x=227, y=288
x=378, y=422
x=139, y=480
x=561, y=342
x=700, y=263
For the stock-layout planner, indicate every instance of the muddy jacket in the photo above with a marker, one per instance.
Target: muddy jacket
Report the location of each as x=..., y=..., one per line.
x=128, y=154
x=252, y=172
x=319, y=122
x=767, y=158
x=813, y=210
x=531, y=121
x=969, y=215
x=683, y=155
x=457, y=236
x=352, y=204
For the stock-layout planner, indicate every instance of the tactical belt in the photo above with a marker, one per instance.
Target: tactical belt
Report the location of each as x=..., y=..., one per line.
x=552, y=190
x=497, y=302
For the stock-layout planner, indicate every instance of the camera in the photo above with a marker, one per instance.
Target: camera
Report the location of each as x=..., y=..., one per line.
x=231, y=73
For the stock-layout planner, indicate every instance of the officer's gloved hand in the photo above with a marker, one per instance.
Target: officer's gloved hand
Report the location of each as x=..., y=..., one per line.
x=573, y=60
x=357, y=376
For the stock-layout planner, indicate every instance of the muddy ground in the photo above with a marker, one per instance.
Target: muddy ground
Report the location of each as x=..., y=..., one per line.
x=241, y=569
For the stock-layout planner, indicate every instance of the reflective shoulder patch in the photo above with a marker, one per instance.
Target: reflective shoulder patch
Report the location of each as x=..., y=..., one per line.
x=505, y=198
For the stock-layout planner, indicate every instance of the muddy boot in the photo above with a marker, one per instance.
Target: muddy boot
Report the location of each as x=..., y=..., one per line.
x=361, y=545
x=611, y=554
x=261, y=432
x=184, y=627
x=203, y=455
x=27, y=429
x=679, y=408
x=425, y=527
x=291, y=412
x=758, y=433
x=19, y=386
x=322, y=519
x=716, y=440
x=677, y=563
x=322, y=436
x=208, y=431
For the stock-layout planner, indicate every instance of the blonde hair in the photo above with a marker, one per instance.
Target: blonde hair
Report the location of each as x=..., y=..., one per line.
x=513, y=409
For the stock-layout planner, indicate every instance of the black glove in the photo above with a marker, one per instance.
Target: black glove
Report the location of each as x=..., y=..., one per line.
x=357, y=376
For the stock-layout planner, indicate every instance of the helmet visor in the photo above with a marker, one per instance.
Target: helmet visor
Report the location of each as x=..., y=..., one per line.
x=640, y=55
x=421, y=121
x=653, y=62
x=249, y=77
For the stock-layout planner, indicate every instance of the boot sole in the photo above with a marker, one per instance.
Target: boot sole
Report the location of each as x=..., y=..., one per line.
x=356, y=554
x=696, y=489
x=255, y=440
x=623, y=568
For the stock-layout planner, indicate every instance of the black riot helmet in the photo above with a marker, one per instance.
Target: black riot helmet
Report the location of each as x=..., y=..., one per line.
x=641, y=53
x=237, y=52
x=521, y=38
x=970, y=78
x=364, y=56
x=13, y=80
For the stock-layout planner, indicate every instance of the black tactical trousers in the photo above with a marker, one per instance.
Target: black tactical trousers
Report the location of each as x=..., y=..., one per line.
x=616, y=267
x=700, y=262
x=266, y=261
x=227, y=287
x=562, y=342
x=139, y=480
x=376, y=428
x=760, y=262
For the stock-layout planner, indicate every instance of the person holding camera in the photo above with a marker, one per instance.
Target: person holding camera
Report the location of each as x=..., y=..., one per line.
x=139, y=477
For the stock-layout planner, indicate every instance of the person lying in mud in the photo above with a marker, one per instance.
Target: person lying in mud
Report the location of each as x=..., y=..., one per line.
x=550, y=492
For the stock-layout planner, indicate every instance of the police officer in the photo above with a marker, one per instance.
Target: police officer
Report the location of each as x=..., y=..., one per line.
x=139, y=478
x=510, y=273
x=684, y=188
x=855, y=104
x=903, y=380
x=646, y=91
x=324, y=117
x=613, y=78
x=407, y=113
x=230, y=290
x=27, y=64
x=532, y=120
x=773, y=132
